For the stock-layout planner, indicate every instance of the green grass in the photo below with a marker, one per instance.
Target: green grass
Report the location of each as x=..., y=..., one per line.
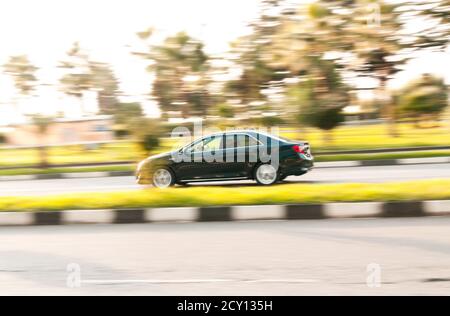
x=118, y=151
x=245, y=195
x=32, y=171
x=375, y=136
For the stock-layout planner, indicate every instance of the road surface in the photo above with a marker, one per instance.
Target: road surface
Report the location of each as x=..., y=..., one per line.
x=323, y=175
x=404, y=256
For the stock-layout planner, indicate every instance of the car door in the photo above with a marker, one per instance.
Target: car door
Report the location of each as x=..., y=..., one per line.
x=246, y=154
x=238, y=151
x=199, y=159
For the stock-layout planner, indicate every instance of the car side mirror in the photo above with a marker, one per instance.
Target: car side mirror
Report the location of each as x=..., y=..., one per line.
x=183, y=151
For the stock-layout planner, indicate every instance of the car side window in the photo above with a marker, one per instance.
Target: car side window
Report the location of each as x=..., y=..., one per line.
x=230, y=141
x=206, y=144
x=244, y=140
x=213, y=143
x=197, y=146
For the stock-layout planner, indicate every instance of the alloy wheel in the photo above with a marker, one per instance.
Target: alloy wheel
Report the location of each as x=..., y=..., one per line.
x=266, y=174
x=162, y=178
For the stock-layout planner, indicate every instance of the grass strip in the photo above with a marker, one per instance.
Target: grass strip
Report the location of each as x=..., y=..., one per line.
x=438, y=189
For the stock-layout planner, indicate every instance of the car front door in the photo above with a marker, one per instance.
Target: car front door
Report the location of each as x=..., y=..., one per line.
x=201, y=160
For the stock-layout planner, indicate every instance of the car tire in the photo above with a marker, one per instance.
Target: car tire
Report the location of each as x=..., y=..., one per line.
x=266, y=174
x=163, y=178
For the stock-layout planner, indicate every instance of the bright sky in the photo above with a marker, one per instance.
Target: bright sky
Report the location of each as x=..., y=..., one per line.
x=46, y=29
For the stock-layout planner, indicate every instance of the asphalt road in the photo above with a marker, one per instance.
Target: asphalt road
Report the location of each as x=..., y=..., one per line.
x=323, y=175
x=410, y=256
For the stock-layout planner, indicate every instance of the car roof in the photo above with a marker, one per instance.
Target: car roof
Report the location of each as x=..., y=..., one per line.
x=251, y=132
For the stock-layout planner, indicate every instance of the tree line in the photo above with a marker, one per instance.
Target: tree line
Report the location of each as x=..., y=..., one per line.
x=301, y=61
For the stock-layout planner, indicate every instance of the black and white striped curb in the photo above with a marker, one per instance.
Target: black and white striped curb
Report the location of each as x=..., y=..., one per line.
x=230, y=213
x=331, y=164
x=382, y=162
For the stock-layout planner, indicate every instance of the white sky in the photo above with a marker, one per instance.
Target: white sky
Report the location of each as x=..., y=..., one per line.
x=46, y=29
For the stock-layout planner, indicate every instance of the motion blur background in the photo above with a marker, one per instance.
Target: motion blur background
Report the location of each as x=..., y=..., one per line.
x=128, y=72
x=97, y=86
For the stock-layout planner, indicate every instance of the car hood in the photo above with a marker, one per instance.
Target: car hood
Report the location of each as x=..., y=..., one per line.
x=147, y=161
x=162, y=156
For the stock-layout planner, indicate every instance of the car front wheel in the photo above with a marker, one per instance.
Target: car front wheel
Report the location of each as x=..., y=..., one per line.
x=163, y=178
x=266, y=174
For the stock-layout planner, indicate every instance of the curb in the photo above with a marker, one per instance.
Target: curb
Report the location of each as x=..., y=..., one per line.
x=229, y=213
x=382, y=162
x=319, y=165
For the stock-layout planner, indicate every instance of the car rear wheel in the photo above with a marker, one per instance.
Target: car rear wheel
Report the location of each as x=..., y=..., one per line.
x=266, y=174
x=163, y=178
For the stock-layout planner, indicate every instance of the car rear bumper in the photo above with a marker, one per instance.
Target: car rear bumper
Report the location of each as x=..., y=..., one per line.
x=297, y=167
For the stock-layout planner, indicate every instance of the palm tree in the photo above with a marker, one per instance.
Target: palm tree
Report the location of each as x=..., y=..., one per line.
x=180, y=66
x=435, y=14
x=23, y=73
x=378, y=50
x=78, y=76
x=105, y=83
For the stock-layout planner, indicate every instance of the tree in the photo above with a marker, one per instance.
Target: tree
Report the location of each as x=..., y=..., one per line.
x=298, y=51
x=23, y=72
x=3, y=139
x=321, y=98
x=78, y=76
x=105, y=83
x=83, y=74
x=384, y=45
x=42, y=124
x=125, y=117
x=147, y=133
x=362, y=36
x=24, y=76
x=435, y=18
x=180, y=66
x=225, y=110
x=424, y=97
x=378, y=44
x=250, y=53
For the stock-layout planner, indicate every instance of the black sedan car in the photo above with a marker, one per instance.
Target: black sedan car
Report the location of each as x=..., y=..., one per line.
x=237, y=155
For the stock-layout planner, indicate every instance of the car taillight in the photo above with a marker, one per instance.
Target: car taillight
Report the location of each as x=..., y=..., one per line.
x=298, y=149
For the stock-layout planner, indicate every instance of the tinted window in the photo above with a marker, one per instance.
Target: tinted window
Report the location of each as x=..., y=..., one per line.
x=230, y=141
x=246, y=141
x=207, y=144
x=213, y=143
